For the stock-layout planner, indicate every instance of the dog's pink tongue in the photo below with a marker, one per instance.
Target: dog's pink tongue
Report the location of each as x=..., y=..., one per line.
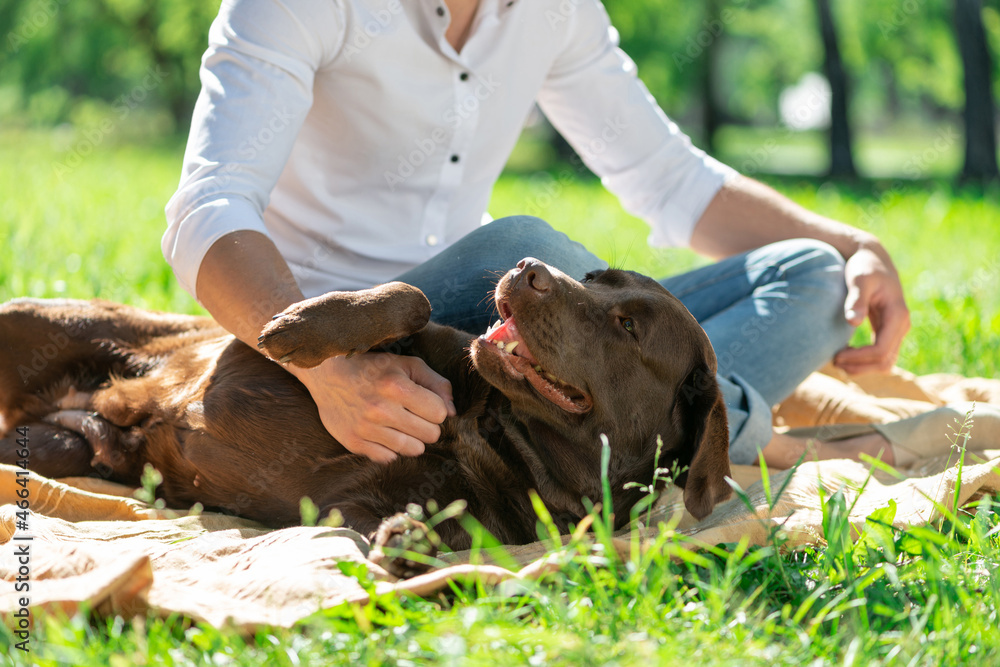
x=505, y=333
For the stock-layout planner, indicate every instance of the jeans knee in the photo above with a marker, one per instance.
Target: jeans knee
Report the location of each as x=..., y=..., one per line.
x=816, y=265
x=822, y=273
x=814, y=272
x=520, y=226
x=533, y=237
x=810, y=256
x=518, y=236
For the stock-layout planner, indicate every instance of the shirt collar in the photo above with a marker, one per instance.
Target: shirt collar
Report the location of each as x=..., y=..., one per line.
x=489, y=13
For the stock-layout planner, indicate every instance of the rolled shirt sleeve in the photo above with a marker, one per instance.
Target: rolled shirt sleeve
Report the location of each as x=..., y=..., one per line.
x=257, y=87
x=593, y=97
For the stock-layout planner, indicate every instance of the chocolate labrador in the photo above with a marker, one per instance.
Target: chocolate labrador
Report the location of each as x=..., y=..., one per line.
x=106, y=388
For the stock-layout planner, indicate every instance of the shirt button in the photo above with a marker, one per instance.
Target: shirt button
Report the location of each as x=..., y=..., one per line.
x=464, y=76
x=440, y=11
x=454, y=158
x=432, y=240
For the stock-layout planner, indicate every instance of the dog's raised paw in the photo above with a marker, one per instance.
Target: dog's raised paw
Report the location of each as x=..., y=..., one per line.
x=290, y=337
x=343, y=323
x=403, y=547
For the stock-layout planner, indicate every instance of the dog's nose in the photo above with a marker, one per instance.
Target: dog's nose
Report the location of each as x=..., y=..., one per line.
x=535, y=274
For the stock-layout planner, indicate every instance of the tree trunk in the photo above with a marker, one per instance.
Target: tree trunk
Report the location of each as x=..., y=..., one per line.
x=979, y=114
x=841, y=156
x=710, y=58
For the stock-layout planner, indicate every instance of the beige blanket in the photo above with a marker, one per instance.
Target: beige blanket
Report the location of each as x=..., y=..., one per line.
x=91, y=543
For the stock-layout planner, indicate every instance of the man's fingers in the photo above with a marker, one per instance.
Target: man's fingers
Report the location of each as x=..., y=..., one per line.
x=372, y=450
x=881, y=355
x=855, y=306
x=860, y=360
x=417, y=430
x=383, y=444
x=377, y=405
x=396, y=441
x=423, y=376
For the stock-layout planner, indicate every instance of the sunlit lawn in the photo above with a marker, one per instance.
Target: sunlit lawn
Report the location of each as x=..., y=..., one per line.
x=93, y=230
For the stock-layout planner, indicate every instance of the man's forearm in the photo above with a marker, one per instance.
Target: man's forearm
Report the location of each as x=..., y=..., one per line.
x=243, y=281
x=746, y=214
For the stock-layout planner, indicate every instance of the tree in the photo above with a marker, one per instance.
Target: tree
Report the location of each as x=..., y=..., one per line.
x=841, y=157
x=979, y=113
x=709, y=66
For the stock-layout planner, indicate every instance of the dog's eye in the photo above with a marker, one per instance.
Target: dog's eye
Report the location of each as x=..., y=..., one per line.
x=628, y=323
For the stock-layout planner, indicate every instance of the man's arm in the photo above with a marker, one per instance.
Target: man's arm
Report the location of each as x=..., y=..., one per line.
x=260, y=66
x=594, y=98
x=377, y=405
x=746, y=214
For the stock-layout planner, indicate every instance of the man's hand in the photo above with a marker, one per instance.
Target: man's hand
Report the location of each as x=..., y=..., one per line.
x=874, y=292
x=746, y=214
x=376, y=405
x=379, y=405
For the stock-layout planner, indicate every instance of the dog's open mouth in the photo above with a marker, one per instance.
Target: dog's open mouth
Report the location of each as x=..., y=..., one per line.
x=504, y=337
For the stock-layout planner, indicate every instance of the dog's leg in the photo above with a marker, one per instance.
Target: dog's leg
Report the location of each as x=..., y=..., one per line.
x=51, y=451
x=116, y=452
x=402, y=546
x=40, y=344
x=340, y=323
x=42, y=341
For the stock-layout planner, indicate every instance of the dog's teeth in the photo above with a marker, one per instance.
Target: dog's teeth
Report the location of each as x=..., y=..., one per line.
x=538, y=369
x=511, y=346
x=551, y=377
x=500, y=344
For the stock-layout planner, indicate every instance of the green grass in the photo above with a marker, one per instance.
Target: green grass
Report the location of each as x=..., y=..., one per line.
x=925, y=596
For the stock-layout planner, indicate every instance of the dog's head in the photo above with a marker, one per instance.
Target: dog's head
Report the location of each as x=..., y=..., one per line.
x=615, y=354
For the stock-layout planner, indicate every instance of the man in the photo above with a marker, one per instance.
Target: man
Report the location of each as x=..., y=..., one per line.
x=339, y=144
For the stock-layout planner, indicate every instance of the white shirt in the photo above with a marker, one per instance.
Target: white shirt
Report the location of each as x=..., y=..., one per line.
x=355, y=137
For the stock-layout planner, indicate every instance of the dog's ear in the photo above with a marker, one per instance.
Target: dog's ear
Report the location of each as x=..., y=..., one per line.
x=700, y=413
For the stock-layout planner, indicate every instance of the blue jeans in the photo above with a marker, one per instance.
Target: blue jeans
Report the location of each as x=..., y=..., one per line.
x=774, y=314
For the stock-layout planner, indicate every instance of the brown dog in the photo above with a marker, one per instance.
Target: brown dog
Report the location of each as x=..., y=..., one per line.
x=107, y=388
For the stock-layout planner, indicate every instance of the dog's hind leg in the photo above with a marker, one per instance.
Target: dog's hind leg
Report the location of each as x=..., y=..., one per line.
x=45, y=341
x=48, y=450
x=116, y=453
x=75, y=443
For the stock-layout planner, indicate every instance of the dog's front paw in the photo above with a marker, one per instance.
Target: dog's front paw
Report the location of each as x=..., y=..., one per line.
x=403, y=546
x=296, y=335
x=339, y=323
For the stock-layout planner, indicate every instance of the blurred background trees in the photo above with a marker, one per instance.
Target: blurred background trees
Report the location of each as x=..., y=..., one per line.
x=881, y=88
